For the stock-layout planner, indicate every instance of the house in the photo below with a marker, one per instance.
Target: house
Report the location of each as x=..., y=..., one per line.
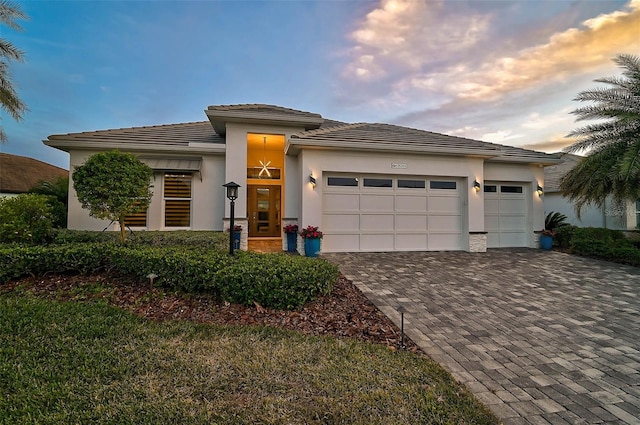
x=19, y=174
x=370, y=187
x=608, y=216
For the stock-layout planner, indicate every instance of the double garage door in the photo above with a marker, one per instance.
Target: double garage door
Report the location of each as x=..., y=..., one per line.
x=505, y=214
x=391, y=213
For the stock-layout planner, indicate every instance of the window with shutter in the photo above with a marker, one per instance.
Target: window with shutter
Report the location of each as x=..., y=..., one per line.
x=177, y=200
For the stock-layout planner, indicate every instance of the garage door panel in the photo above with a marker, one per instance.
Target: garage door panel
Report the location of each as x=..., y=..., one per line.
x=340, y=242
x=449, y=222
x=376, y=242
x=340, y=202
x=411, y=242
x=491, y=206
x=512, y=239
x=444, y=204
x=444, y=242
x=410, y=222
x=511, y=206
x=376, y=202
x=411, y=203
x=377, y=222
x=491, y=223
x=513, y=223
x=340, y=222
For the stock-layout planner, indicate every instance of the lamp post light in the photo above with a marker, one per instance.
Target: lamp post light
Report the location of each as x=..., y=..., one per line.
x=232, y=195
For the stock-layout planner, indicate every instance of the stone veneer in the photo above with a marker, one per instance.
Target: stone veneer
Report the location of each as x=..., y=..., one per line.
x=477, y=241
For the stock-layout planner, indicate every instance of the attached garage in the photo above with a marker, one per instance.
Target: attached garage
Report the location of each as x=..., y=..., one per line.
x=505, y=214
x=391, y=213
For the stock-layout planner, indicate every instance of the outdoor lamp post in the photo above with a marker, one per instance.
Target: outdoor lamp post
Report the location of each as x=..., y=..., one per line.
x=232, y=195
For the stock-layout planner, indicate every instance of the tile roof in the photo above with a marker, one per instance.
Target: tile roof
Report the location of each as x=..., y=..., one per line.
x=554, y=173
x=320, y=133
x=19, y=174
x=177, y=135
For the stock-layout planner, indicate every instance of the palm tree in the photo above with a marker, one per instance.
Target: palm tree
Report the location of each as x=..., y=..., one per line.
x=612, y=167
x=9, y=100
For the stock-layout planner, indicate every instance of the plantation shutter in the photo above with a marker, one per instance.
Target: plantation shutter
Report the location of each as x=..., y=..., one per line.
x=177, y=196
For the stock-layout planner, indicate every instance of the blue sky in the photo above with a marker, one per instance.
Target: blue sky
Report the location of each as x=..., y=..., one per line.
x=500, y=71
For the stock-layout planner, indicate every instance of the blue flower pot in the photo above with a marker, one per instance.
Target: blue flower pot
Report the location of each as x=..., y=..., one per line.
x=236, y=239
x=311, y=247
x=546, y=242
x=292, y=242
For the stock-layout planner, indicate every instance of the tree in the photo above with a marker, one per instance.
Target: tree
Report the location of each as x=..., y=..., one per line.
x=9, y=100
x=112, y=185
x=612, y=167
x=25, y=218
x=58, y=193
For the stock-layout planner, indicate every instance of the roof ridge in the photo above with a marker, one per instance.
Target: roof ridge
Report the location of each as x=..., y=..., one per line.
x=241, y=106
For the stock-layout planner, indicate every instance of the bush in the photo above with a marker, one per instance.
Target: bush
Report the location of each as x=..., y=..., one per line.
x=605, y=244
x=25, y=218
x=563, y=237
x=197, y=240
x=272, y=280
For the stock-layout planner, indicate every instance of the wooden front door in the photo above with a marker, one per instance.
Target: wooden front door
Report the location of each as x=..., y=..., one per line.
x=264, y=210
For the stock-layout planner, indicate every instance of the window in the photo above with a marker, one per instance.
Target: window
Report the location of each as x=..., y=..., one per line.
x=434, y=184
x=177, y=200
x=137, y=219
x=411, y=184
x=378, y=183
x=490, y=188
x=342, y=181
x=511, y=189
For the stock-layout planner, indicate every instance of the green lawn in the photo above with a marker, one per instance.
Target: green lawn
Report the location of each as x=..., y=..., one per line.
x=73, y=362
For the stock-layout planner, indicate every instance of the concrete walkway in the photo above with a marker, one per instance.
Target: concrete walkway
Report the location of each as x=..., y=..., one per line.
x=540, y=337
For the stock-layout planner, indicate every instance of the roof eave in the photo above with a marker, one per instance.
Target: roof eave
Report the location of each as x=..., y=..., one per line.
x=93, y=145
x=219, y=119
x=527, y=159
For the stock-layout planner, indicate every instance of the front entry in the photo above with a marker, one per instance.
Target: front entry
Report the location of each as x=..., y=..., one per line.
x=264, y=210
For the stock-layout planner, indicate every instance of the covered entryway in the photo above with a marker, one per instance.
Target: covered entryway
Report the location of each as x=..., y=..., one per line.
x=505, y=214
x=391, y=213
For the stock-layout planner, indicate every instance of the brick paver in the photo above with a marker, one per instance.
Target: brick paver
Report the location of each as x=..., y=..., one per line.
x=540, y=337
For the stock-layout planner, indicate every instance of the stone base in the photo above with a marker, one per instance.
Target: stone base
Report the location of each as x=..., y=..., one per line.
x=477, y=242
x=245, y=230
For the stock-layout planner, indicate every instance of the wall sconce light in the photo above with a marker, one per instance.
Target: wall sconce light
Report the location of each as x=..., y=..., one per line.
x=539, y=190
x=476, y=185
x=312, y=180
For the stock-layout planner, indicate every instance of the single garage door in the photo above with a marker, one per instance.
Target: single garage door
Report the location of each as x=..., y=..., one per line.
x=391, y=213
x=505, y=214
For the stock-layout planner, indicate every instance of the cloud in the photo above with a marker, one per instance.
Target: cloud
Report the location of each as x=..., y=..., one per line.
x=554, y=144
x=409, y=34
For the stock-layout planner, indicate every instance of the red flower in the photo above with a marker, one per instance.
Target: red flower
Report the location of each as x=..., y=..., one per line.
x=311, y=232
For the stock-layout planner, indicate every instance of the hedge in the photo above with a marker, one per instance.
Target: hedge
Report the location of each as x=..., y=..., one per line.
x=604, y=244
x=272, y=280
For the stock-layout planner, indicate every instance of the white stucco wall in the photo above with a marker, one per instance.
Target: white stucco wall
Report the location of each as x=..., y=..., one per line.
x=208, y=197
x=607, y=217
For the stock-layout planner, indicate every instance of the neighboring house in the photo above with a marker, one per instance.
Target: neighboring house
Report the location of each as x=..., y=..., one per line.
x=19, y=174
x=608, y=216
x=370, y=187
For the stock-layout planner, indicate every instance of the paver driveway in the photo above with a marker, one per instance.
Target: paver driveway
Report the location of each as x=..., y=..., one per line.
x=540, y=337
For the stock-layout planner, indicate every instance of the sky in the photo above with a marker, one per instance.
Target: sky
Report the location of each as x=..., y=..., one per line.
x=502, y=71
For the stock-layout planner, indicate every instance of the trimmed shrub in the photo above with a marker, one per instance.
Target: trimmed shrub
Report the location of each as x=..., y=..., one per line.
x=563, y=237
x=605, y=244
x=275, y=280
x=25, y=218
x=201, y=240
x=271, y=280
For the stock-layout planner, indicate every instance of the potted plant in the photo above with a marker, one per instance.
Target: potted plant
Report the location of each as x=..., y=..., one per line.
x=546, y=239
x=291, y=230
x=311, y=236
x=237, y=236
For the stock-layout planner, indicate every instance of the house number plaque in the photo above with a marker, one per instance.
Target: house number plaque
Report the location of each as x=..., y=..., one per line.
x=398, y=165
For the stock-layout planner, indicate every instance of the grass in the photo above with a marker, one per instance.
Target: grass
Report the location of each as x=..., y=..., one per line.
x=70, y=362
